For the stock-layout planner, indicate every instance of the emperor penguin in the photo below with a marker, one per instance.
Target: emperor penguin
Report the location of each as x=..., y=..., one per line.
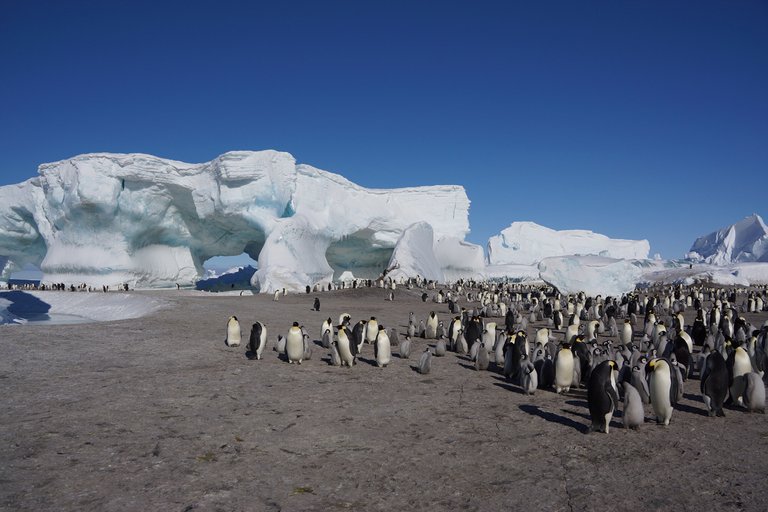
x=327, y=324
x=233, y=332
x=394, y=337
x=411, y=329
x=347, y=347
x=461, y=343
x=405, y=348
x=482, y=361
x=571, y=332
x=371, y=330
x=277, y=296
x=739, y=364
x=545, y=370
x=294, y=344
x=280, y=346
x=344, y=319
x=381, y=348
x=634, y=414
x=358, y=335
x=425, y=362
x=431, y=327
x=257, y=341
x=440, y=331
x=530, y=378
x=557, y=319
x=440, y=347
x=327, y=338
x=316, y=304
x=335, y=357
x=639, y=382
x=626, y=333
x=564, y=369
x=754, y=394
x=663, y=390
x=714, y=383
x=602, y=395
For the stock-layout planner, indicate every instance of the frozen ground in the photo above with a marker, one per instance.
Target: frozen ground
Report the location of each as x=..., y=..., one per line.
x=156, y=413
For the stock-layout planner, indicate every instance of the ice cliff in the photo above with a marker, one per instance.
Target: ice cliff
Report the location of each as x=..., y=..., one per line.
x=113, y=218
x=743, y=242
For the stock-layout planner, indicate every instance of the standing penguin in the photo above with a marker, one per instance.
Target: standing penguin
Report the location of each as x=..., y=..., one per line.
x=663, y=390
x=335, y=357
x=431, y=327
x=316, y=304
x=482, y=361
x=564, y=369
x=739, y=364
x=638, y=381
x=425, y=362
x=602, y=395
x=754, y=394
x=714, y=383
x=530, y=377
x=280, y=346
x=327, y=324
x=381, y=348
x=233, y=332
x=626, y=333
x=461, y=343
x=371, y=330
x=327, y=339
x=294, y=344
x=405, y=348
x=257, y=341
x=347, y=346
x=634, y=414
x=440, y=347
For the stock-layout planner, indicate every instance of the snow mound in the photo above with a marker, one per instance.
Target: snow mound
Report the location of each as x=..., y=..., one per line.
x=527, y=243
x=74, y=307
x=745, y=241
x=107, y=219
x=593, y=275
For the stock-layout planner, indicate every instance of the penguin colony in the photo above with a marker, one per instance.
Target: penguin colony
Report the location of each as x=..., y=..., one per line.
x=644, y=362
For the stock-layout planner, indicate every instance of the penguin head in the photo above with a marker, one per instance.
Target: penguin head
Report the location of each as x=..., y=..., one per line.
x=381, y=327
x=295, y=324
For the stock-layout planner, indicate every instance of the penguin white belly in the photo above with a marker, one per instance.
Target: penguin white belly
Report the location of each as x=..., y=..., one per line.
x=233, y=333
x=564, y=371
x=742, y=365
x=344, y=351
x=431, y=328
x=371, y=330
x=294, y=346
x=661, y=383
x=383, y=350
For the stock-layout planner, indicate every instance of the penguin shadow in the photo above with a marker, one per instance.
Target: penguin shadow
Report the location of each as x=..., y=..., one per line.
x=319, y=343
x=693, y=398
x=535, y=410
x=250, y=355
x=468, y=366
x=617, y=413
x=691, y=410
x=509, y=387
x=371, y=362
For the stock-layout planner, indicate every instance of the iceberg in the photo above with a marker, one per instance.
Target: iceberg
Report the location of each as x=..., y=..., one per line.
x=107, y=218
x=593, y=275
x=743, y=242
x=527, y=243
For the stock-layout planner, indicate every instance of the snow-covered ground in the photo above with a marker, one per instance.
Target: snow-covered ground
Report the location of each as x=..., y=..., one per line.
x=22, y=306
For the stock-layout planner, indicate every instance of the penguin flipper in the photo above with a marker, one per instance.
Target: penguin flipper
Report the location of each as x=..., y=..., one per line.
x=613, y=395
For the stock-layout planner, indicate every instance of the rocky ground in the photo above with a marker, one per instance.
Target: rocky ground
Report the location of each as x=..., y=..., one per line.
x=158, y=414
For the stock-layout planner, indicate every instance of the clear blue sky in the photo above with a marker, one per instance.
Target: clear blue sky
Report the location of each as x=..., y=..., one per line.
x=636, y=119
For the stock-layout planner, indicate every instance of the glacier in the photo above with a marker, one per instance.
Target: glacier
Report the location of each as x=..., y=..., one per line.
x=106, y=219
x=527, y=243
x=593, y=275
x=743, y=242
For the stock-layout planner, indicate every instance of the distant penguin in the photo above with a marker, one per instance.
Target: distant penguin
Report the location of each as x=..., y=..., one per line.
x=346, y=346
x=257, y=340
x=754, y=394
x=663, y=390
x=233, y=332
x=276, y=296
x=381, y=348
x=294, y=344
x=316, y=304
x=431, y=327
x=634, y=414
x=482, y=361
x=371, y=330
x=405, y=348
x=714, y=383
x=440, y=347
x=425, y=362
x=602, y=395
x=564, y=369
